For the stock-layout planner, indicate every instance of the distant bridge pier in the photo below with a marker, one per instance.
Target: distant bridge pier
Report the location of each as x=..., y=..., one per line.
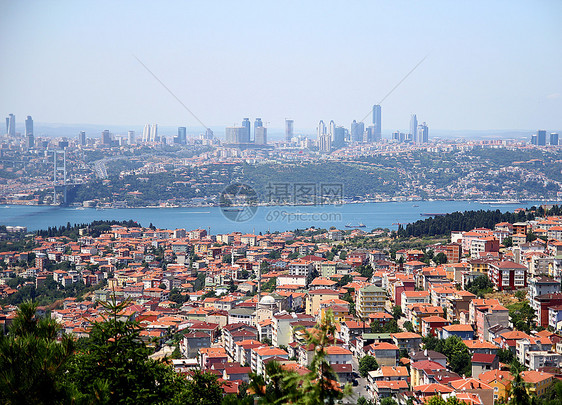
x=58, y=168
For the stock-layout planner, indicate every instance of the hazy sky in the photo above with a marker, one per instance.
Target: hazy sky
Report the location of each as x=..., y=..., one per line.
x=491, y=64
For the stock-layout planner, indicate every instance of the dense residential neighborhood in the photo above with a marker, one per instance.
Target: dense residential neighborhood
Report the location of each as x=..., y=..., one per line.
x=229, y=304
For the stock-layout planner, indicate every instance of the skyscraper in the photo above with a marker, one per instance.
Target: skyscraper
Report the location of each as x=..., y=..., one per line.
x=423, y=133
x=154, y=133
x=377, y=122
x=541, y=137
x=236, y=135
x=288, y=130
x=414, y=128
x=106, y=137
x=324, y=139
x=554, y=139
x=182, y=135
x=370, y=134
x=11, y=125
x=257, y=124
x=246, y=124
x=321, y=129
x=260, y=135
x=338, y=140
x=29, y=137
x=29, y=125
x=357, y=129
x=230, y=135
x=150, y=133
x=145, y=133
x=82, y=138
x=131, y=137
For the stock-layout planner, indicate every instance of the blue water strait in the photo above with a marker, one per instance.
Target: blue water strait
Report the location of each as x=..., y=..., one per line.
x=271, y=218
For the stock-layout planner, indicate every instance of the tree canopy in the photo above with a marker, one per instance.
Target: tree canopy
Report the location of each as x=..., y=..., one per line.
x=366, y=364
x=522, y=316
x=111, y=366
x=457, y=353
x=480, y=286
x=32, y=362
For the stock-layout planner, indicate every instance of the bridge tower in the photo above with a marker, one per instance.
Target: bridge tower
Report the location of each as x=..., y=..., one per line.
x=58, y=168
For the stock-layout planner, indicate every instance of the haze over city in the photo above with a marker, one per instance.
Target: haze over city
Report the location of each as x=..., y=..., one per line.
x=489, y=65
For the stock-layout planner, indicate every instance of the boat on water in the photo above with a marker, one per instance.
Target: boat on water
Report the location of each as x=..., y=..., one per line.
x=429, y=214
x=359, y=225
x=235, y=209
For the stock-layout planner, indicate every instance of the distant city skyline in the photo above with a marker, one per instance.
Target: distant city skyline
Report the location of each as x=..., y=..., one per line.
x=75, y=62
x=490, y=65
x=274, y=134
x=355, y=132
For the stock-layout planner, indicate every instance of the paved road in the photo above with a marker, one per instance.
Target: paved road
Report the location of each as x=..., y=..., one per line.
x=361, y=390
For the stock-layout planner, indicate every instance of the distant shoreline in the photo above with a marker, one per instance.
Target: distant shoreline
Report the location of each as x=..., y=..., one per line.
x=277, y=204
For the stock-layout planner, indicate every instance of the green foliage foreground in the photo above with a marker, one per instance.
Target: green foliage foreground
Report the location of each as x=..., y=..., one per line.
x=32, y=362
x=111, y=366
x=39, y=365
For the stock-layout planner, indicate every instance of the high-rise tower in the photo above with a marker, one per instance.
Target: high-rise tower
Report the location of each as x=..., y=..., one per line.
x=106, y=137
x=154, y=133
x=324, y=138
x=29, y=137
x=338, y=139
x=357, y=129
x=288, y=130
x=414, y=128
x=182, y=135
x=236, y=135
x=541, y=137
x=246, y=137
x=423, y=133
x=257, y=124
x=260, y=135
x=146, y=133
x=377, y=122
x=321, y=129
x=11, y=125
